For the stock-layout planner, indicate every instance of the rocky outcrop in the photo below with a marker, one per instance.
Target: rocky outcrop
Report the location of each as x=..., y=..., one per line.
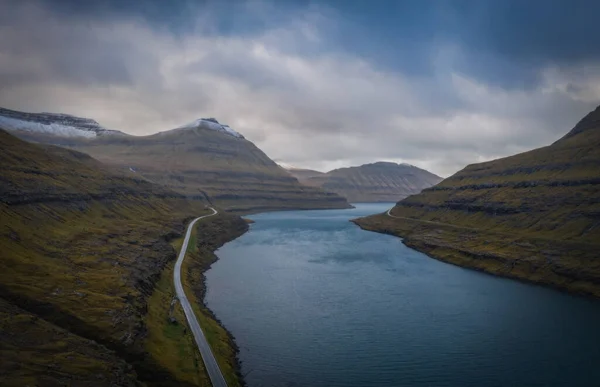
x=533, y=216
x=376, y=182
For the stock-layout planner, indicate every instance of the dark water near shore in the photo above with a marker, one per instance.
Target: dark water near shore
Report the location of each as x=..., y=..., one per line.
x=312, y=300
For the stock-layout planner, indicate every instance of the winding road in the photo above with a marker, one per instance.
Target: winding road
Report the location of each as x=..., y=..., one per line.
x=210, y=363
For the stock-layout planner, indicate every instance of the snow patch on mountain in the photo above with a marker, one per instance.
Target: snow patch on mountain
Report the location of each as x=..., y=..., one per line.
x=212, y=124
x=37, y=127
x=64, y=125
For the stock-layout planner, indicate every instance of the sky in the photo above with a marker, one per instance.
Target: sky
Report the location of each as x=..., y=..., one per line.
x=315, y=84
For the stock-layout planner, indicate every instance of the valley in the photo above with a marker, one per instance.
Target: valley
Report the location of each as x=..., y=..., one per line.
x=299, y=193
x=110, y=212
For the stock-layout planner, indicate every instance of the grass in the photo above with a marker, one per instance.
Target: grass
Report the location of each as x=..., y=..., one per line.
x=538, y=260
x=66, y=356
x=172, y=345
x=219, y=339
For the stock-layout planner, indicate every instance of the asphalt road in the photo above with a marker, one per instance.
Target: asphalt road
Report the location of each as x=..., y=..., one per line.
x=210, y=363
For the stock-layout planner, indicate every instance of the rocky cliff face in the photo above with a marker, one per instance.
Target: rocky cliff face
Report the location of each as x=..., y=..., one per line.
x=203, y=160
x=533, y=216
x=377, y=182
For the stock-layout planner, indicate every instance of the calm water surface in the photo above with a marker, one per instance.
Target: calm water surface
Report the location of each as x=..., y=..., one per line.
x=312, y=300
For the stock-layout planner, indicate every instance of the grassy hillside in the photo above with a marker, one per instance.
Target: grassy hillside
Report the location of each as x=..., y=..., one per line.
x=533, y=216
x=81, y=250
x=376, y=182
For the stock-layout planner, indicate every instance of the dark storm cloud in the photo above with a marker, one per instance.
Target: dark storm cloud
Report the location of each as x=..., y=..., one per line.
x=536, y=30
x=502, y=42
x=507, y=41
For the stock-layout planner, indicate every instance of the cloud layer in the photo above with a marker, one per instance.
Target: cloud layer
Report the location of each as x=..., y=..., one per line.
x=288, y=87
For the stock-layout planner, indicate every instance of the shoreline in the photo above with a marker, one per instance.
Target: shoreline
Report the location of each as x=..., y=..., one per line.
x=210, y=236
x=484, y=262
x=169, y=342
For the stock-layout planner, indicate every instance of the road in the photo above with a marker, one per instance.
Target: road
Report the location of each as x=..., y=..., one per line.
x=210, y=363
x=429, y=221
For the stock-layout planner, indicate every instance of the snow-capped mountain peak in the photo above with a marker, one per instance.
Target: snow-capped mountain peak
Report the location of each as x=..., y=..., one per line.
x=212, y=124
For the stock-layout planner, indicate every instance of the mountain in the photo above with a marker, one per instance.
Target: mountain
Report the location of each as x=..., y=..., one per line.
x=376, y=182
x=86, y=254
x=203, y=160
x=533, y=216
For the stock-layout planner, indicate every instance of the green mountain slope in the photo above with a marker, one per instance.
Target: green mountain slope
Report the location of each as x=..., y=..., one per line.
x=533, y=216
x=81, y=250
x=376, y=182
x=197, y=161
x=228, y=171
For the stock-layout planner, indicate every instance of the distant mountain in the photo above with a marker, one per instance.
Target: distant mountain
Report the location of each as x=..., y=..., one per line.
x=376, y=182
x=533, y=216
x=203, y=160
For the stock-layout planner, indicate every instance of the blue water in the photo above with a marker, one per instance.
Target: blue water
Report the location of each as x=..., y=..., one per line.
x=312, y=300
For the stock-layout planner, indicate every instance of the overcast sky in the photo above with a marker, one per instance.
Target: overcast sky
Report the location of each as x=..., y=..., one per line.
x=315, y=84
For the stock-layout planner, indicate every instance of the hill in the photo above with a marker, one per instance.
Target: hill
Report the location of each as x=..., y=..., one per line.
x=376, y=182
x=83, y=252
x=203, y=160
x=533, y=216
